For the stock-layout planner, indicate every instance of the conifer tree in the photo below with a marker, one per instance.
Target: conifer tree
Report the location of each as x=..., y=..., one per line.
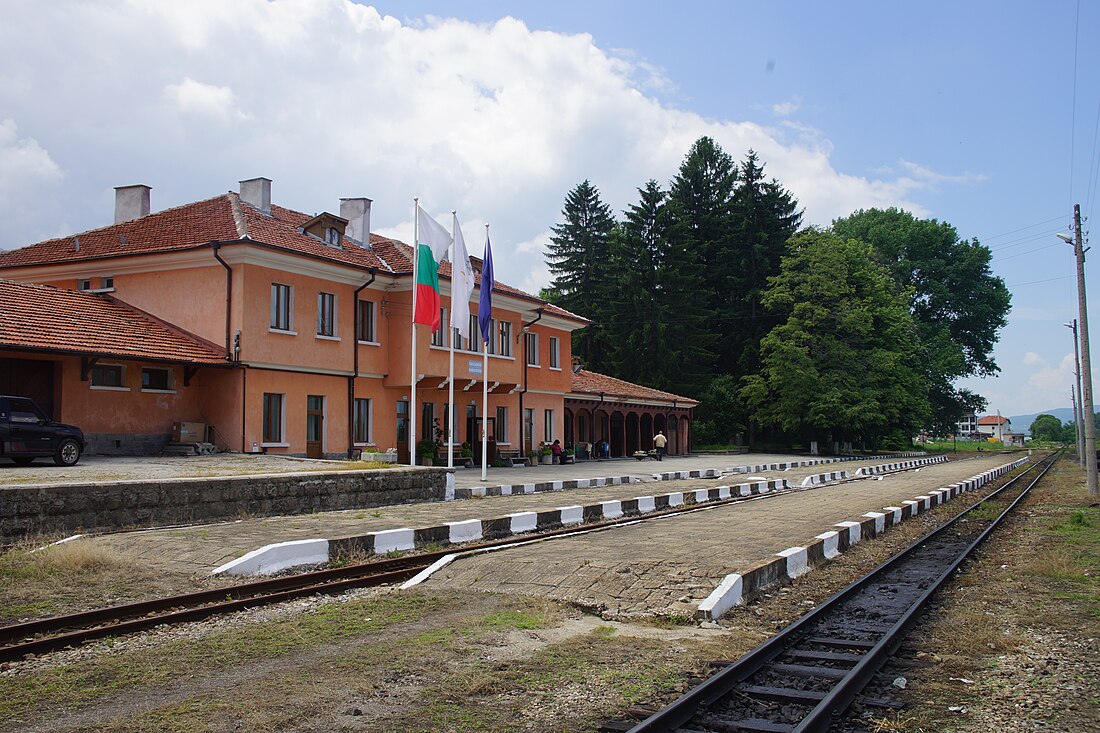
x=659, y=315
x=578, y=259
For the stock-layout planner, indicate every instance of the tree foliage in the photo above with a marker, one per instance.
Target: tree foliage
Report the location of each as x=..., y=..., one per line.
x=578, y=259
x=1046, y=427
x=658, y=314
x=957, y=302
x=841, y=364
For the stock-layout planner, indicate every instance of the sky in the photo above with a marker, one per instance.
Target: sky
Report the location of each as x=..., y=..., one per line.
x=980, y=114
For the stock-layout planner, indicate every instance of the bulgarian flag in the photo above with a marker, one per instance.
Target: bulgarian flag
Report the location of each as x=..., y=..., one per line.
x=432, y=242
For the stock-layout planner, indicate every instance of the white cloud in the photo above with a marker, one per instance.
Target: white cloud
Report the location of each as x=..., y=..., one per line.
x=23, y=161
x=1033, y=359
x=204, y=99
x=331, y=99
x=786, y=109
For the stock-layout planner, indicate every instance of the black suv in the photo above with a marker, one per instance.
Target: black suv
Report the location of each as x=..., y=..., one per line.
x=26, y=433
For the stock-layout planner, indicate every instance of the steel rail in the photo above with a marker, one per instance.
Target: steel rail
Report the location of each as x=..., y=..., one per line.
x=34, y=637
x=723, y=682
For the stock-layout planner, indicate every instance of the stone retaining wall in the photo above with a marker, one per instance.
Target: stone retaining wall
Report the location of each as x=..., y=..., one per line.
x=37, y=510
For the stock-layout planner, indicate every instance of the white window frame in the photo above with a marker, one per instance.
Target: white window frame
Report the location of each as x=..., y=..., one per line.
x=500, y=427
x=555, y=353
x=170, y=381
x=439, y=336
x=370, y=421
x=280, y=442
x=532, y=349
x=548, y=426
x=332, y=312
x=282, y=307
x=370, y=324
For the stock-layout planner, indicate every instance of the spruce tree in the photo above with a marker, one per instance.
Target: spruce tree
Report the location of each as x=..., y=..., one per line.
x=764, y=217
x=579, y=261
x=658, y=314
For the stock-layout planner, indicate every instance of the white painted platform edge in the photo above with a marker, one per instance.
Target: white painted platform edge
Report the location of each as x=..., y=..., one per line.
x=723, y=598
x=429, y=571
x=275, y=557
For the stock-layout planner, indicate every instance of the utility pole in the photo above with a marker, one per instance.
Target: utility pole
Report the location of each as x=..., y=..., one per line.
x=1077, y=411
x=1087, y=409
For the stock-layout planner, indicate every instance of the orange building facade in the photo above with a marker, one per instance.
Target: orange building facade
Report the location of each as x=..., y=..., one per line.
x=279, y=332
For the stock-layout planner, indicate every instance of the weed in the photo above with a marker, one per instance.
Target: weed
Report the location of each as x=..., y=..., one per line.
x=513, y=620
x=391, y=554
x=376, y=514
x=1079, y=519
x=432, y=547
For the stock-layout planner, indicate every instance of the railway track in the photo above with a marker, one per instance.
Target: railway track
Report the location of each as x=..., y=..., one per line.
x=805, y=678
x=59, y=632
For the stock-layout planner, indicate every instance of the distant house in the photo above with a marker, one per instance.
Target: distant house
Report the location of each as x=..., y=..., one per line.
x=1015, y=440
x=994, y=426
x=968, y=425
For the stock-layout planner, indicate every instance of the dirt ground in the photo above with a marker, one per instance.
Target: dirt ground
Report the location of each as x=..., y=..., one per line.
x=1012, y=647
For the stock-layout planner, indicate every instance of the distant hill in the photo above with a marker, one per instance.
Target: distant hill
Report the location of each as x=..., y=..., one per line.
x=1021, y=423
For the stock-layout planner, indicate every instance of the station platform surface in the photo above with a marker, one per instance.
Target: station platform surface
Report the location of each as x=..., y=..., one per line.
x=199, y=549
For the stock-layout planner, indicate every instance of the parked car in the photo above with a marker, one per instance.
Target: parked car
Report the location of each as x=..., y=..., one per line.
x=26, y=433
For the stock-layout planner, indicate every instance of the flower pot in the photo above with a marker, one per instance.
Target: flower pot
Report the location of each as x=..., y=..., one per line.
x=547, y=459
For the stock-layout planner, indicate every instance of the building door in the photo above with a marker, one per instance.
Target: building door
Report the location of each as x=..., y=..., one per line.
x=403, y=431
x=315, y=426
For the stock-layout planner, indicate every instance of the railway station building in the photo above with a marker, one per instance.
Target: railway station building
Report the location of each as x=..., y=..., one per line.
x=288, y=333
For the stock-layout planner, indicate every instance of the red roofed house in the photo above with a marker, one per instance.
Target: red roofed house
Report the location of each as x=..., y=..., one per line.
x=285, y=333
x=994, y=426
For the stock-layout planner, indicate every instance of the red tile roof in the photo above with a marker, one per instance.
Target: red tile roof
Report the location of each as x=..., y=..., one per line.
x=593, y=383
x=993, y=420
x=226, y=218
x=45, y=318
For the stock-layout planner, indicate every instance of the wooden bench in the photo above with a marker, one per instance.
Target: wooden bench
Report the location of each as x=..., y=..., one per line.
x=514, y=457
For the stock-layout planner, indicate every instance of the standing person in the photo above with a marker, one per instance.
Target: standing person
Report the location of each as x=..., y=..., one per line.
x=659, y=442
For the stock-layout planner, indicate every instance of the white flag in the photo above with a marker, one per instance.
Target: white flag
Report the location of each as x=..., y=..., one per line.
x=432, y=234
x=462, y=285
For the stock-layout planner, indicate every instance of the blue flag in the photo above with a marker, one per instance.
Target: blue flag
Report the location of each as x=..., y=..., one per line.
x=485, y=304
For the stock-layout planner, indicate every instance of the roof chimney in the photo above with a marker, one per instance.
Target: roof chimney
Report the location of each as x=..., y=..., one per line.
x=131, y=202
x=256, y=192
x=357, y=212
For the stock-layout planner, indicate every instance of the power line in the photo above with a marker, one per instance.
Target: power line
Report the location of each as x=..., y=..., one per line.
x=1021, y=254
x=1029, y=226
x=1036, y=282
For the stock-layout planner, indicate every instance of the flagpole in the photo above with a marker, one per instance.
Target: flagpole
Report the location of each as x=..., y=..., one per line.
x=485, y=391
x=412, y=338
x=451, y=339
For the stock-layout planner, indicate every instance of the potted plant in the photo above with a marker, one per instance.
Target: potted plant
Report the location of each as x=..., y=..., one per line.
x=532, y=458
x=570, y=456
x=425, y=452
x=545, y=454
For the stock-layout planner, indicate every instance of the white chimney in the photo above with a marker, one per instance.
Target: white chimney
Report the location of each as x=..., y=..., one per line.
x=357, y=212
x=257, y=193
x=131, y=202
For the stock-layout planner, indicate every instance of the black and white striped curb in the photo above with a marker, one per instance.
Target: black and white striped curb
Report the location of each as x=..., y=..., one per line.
x=736, y=588
x=900, y=466
x=815, y=462
x=514, y=489
x=824, y=478
x=282, y=555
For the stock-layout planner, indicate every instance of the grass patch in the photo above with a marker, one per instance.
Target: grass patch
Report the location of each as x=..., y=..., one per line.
x=80, y=684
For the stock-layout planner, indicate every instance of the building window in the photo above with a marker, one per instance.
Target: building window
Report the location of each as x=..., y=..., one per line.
x=427, y=421
x=474, y=344
x=555, y=353
x=282, y=304
x=84, y=284
x=548, y=425
x=439, y=336
x=154, y=378
x=505, y=338
x=501, y=426
x=362, y=421
x=533, y=349
x=106, y=283
x=528, y=429
x=326, y=314
x=108, y=375
x=273, y=417
x=332, y=236
x=366, y=321
x=492, y=345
